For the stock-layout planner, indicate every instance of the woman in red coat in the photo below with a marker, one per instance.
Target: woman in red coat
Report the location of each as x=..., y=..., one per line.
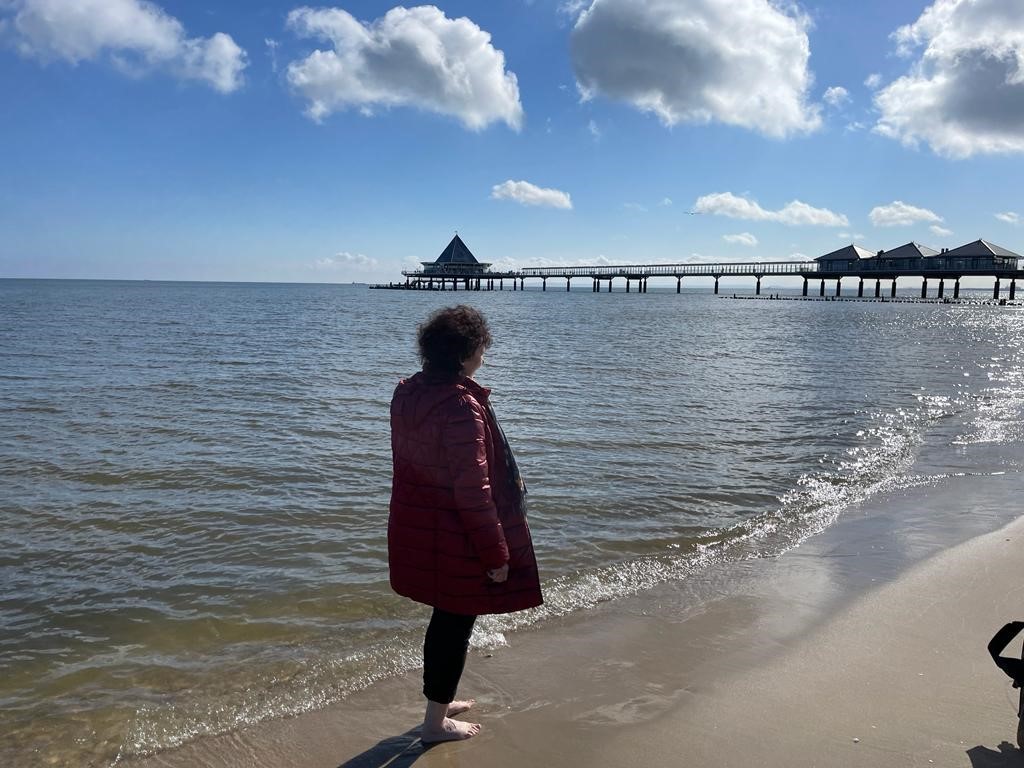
x=457, y=534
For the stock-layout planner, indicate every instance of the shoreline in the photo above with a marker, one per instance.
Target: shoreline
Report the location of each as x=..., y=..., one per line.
x=722, y=668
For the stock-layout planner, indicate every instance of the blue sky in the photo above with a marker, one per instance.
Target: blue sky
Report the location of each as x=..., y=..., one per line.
x=273, y=141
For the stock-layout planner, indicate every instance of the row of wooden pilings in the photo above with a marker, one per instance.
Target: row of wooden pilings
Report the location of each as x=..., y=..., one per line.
x=488, y=284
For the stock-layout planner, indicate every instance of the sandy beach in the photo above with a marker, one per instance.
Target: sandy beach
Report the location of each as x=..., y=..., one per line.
x=863, y=647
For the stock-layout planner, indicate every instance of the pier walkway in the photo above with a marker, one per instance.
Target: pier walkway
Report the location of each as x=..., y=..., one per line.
x=863, y=277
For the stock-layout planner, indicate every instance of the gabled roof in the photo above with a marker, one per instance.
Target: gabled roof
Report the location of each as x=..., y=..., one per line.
x=982, y=248
x=849, y=252
x=456, y=253
x=909, y=250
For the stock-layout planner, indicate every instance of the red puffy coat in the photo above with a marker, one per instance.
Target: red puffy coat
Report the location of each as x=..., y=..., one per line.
x=455, y=511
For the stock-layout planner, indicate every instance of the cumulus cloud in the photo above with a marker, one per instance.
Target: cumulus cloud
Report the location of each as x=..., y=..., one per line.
x=836, y=96
x=414, y=57
x=136, y=35
x=739, y=62
x=1009, y=217
x=345, y=260
x=530, y=194
x=964, y=93
x=873, y=80
x=900, y=214
x=794, y=213
x=744, y=238
x=940, y=231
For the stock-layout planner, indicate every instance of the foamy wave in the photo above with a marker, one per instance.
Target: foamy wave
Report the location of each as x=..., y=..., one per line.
x=880, y=463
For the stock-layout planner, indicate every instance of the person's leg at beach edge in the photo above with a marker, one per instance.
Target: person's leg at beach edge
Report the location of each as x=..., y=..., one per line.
x=444, y=658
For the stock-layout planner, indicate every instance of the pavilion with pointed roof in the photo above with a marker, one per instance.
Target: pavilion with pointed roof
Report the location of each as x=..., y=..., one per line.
x=456, y=257
x=845, y=258
x=981, y=252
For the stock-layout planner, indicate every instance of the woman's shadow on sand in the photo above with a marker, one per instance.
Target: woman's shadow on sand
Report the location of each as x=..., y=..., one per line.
x=393, y=752
x=1006, y=756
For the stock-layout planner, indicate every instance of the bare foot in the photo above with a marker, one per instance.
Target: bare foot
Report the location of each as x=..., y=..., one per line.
x=458, y=707
x=450, y=730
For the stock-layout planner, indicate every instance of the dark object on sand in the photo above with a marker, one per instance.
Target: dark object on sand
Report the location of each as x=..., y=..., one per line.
x=1011, y=666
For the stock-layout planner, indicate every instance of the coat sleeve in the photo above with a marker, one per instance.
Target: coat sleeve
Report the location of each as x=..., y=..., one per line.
x=465, y=442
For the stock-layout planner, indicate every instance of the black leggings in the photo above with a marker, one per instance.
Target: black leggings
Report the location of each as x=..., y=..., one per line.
x=444, y=654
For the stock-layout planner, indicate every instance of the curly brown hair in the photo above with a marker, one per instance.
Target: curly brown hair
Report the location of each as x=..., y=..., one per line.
x=449, y=337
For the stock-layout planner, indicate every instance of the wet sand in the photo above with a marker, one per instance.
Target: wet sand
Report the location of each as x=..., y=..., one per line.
x=850, y=650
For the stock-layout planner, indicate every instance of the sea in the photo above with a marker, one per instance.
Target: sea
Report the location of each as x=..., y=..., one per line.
x=194, y=477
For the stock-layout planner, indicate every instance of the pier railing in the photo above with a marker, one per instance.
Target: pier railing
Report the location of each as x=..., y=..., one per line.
x=675, y=270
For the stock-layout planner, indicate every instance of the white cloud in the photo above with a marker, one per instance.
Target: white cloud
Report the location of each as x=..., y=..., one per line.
x=635, y=207
x=346, y=261
x=272, y=46
x=572, y=7
x=136, y=35
x=739, y=62
x=529, y=194
x=873, y=80
x=794, y=213
x=843, y=235
x=1009, y=217
x=964, y=94
x=409, y=57
x=900, y=214
x=940, y=231
x=665, y=202
x=594, y=130
x=744, y=238
x=836, y=96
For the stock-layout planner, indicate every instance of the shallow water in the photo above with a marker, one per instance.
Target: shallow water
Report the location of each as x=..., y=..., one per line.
x=194, y=477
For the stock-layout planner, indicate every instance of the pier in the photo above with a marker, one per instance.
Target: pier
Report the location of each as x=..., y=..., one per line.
x=851, y=269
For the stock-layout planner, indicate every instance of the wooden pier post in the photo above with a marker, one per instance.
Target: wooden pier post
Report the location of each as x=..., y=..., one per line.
x=942, y=287
x=878, y=288
x=805, y=286
x=679, y=285
x=627, y=285
x=995, y=290
x=893, y=293
x=860, y=289
x=716, y=286
x=757, y=288
x=543, y=283
x=956, y=289
x=522, y=283
x=839, y=286
x=645, y=285
x=924, y=288
x=567, y=281
x=1013, y=288
x=821, y=290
